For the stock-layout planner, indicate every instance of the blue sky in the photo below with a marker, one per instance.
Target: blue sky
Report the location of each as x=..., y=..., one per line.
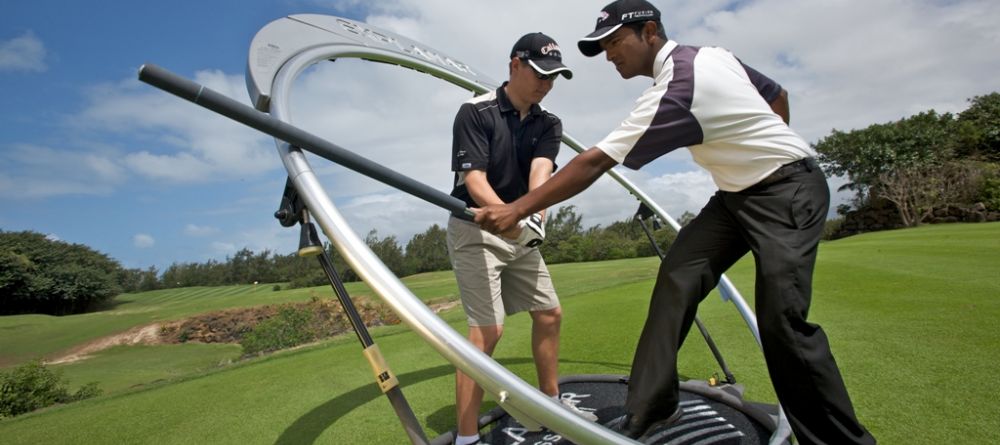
x=76, y=52
x=90, y=155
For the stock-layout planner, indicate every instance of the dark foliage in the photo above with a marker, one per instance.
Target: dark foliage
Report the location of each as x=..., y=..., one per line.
x=41, y=275
x=428, y=251
x=921, y=162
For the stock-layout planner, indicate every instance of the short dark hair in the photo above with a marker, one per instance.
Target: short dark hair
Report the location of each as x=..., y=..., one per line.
x=636, y=27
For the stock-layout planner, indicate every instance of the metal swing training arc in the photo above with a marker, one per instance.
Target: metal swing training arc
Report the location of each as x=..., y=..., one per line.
x=279, y=53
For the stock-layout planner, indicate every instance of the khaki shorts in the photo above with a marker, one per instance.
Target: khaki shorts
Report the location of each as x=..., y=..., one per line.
x=497, y=277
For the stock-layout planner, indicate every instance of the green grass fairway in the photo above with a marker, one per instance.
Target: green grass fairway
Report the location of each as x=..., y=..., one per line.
x=911, y=315
x=26, y=337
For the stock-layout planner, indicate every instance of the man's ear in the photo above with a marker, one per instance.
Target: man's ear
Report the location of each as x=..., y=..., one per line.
x=649, y=32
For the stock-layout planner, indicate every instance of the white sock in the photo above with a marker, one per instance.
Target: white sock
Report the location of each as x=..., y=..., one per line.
x=465, y=440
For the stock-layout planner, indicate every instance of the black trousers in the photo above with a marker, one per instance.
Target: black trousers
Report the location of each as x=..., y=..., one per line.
x=781, y=224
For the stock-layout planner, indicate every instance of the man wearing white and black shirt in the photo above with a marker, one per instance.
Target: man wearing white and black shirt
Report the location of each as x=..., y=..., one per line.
x=504, y=145
x=772, y=201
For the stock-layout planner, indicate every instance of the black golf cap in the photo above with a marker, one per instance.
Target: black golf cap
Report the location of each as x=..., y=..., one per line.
x=613, y=17
x=542, y=53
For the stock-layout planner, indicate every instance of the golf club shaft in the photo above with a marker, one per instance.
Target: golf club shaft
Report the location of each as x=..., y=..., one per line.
x=247, y=115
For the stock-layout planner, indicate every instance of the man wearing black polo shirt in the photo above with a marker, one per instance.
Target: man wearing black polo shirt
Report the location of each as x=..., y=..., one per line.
x=772, y=201
x=504, y=145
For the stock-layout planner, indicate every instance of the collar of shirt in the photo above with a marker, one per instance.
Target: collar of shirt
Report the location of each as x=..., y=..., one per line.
x=661, y=59
x=503, y=102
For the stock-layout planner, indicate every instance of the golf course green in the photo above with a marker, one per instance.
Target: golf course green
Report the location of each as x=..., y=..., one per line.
x=912, y=316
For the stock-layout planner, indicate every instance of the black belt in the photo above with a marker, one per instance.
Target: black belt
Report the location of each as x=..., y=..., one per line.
x=805, y=164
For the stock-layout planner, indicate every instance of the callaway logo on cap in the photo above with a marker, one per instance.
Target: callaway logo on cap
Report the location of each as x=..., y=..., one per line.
x=613, y=17
x=542, y=53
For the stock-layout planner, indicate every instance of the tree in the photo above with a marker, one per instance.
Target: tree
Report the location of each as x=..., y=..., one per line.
x=921, y=162
x=17, y=274
x=428, y=251
x=564, y=224
x=610, y=243
x=388, y=250
x=979, y=128
x=150, y=279
x=53, y=277
x=917, y=190
x=686, y=218
x=130, y=279
x=865, y=155
x=241, y=267
x=560, y=228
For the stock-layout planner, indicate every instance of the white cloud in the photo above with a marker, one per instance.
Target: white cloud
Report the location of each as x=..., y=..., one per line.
x=221, y=248
x=606, y=201
x=196, y=230
x=143, y=241
x=180, y=167
x=273, y=237
x=175, y=140
x=24, y=53
x=848, y=67
x=37, y=171
x=392, y=214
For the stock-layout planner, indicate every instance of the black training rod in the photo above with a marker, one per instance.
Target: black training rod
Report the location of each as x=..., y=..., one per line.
x=247, y=115
x=386, y=380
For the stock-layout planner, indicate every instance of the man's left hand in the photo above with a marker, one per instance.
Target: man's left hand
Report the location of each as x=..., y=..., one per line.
x=532, y=231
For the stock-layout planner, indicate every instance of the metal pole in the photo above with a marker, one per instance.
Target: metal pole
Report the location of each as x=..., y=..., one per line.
x=247, y=115
x=386, y=380
x=292, y=211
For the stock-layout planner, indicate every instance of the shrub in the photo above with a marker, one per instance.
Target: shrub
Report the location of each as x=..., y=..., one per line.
x=290, y=327
x=32, y=386
x=86, y=391
x=989, y=194
x=832, y=227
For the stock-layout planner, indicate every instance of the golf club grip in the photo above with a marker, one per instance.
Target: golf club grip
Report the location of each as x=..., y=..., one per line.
x=247, y=115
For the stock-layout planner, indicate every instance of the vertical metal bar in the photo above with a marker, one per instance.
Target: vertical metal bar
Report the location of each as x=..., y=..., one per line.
x=345, y=300
x=384, y=377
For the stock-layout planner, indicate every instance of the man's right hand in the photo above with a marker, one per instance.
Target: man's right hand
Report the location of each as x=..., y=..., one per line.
x=498, y=218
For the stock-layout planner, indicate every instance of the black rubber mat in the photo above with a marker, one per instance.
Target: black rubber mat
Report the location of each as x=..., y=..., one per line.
x=712, y=415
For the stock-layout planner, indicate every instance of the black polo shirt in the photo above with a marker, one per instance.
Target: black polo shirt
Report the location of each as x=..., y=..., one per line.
x=489, y=135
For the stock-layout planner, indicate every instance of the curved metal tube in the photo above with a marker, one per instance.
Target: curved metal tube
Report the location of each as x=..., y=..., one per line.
x=521, y=400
